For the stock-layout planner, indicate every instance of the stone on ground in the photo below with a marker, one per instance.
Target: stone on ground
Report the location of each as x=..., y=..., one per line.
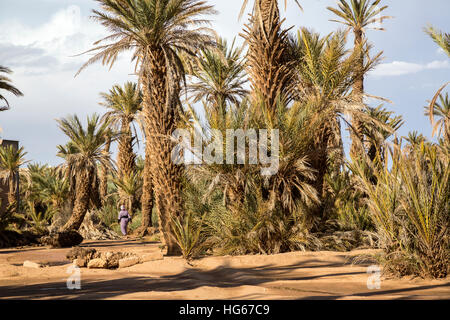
x=97, y=263
x=31, y=264
x=128, y=262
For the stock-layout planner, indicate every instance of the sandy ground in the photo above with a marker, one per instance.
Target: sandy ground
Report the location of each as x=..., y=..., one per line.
x=299, y=275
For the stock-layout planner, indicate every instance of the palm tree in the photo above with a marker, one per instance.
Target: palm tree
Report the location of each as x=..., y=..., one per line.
x=220, y=74
x=5, y=84
x=158, y=31
x=11, y=159
x=267, y=10
x=129, y=186
x=47, y=186
x=358, y=16
x=325, y=76
x=268, y=61
x=124, y=105
x=82, y=161
x=442, y=111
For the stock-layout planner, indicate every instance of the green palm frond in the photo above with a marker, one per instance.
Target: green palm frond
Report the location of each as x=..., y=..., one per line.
x=440, y=38
x=5, y=84
x=359, y=14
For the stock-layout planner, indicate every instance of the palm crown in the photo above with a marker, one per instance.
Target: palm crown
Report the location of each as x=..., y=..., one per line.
x=5, y=84
x=142, y=25
x=359, y=14
x=123, y=103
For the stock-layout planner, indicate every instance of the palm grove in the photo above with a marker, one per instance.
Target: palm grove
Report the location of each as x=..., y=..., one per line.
x=392, y=192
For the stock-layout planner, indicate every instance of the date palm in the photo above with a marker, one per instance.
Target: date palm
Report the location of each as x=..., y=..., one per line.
x=48, y=186
x=11, y=159
x=5, y=84
x=219, y=77
x=267, y=10
x=82, y=161
x=268, y=62
x=325, y=76
x=358, y=16
x=157, y=31
x=124, y=105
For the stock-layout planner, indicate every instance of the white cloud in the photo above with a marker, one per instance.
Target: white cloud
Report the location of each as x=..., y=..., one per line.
x=399, y=68
x=67, y=33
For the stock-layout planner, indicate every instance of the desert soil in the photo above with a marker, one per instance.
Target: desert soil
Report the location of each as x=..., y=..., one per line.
x=298, y=275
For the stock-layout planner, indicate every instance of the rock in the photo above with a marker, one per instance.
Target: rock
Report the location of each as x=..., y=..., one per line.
x=31, y=264
x=97, y=264
x=82, y=253
x=80, y=262
x=128, y=262
x=152, y=256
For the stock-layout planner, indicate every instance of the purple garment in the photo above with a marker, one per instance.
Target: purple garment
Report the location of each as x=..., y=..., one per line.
x=124, y=218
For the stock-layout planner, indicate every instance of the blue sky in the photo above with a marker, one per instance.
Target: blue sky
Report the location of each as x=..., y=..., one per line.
x=38, y=39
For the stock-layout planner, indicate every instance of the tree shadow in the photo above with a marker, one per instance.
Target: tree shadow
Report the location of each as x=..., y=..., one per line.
x=189, y=279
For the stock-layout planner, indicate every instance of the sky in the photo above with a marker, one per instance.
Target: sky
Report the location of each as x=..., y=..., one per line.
x=40, y=41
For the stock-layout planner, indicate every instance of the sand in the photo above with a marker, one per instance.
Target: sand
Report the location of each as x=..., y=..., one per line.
x=297, y=275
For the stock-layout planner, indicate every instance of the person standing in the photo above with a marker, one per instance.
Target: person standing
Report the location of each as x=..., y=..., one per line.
x=124, y=219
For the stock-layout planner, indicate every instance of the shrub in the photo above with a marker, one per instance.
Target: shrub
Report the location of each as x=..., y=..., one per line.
x=409, y=204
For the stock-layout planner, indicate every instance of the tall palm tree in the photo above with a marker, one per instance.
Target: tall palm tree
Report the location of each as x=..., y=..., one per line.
x=325, y=78
x=82, y=161
x=124, y=105
x=358, y=16
x=5, y=84
x=11, y=159
x=157, y=31
x=267, y=10
x=441, y=110
x=219, y=77
x=268, y=62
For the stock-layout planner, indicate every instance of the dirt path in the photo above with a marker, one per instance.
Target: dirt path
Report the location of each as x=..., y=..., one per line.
x=300, y=275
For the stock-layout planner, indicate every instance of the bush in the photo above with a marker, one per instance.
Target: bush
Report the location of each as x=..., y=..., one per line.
x=409, y=204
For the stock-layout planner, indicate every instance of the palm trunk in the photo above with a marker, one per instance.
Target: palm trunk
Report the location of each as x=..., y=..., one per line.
x=358, y=91
x=81, y=205
x=147, y=196
x=104, y=174
x=12, y=190
x=161, y=117
x=96, y=201
x=125, y=159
